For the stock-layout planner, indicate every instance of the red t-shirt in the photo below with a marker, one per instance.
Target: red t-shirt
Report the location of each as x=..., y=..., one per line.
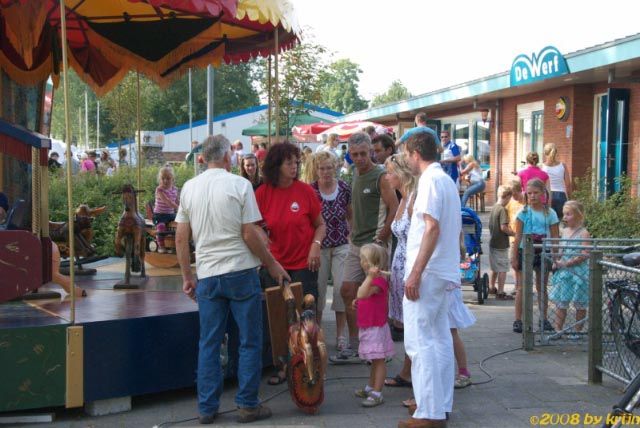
x=373, y=311
x=289, y=214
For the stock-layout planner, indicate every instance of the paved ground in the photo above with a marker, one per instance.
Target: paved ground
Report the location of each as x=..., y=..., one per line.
x=547, y=381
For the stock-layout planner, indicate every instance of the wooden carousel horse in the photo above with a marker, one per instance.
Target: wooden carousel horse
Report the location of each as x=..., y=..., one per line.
x=130, y=238
x=308, y=354
x=83, y=235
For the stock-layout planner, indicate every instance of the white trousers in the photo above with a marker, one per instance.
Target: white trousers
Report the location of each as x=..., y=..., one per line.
x=428, y=343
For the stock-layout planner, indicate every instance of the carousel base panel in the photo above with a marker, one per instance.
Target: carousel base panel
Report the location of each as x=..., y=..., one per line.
x=135, y=342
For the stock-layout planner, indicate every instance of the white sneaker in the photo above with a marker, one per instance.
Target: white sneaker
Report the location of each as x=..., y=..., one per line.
x=462, y=381
x=341, y=344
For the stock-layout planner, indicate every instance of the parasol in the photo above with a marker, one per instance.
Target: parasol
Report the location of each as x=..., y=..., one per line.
x=344, y=130
x=309, y=133
x=160, y=38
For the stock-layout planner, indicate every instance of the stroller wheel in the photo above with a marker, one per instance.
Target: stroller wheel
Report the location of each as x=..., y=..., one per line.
x=477, y=287
x=485, y=286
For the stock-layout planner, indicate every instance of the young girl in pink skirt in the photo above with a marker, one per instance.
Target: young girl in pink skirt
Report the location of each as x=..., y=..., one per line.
x=372, y=303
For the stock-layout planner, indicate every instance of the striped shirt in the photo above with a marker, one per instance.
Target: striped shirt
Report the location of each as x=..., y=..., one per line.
x=161, y=206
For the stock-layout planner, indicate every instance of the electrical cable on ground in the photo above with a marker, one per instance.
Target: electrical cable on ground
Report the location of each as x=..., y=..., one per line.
x=271, y=397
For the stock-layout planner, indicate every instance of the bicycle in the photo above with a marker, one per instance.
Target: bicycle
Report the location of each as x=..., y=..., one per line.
x=624, y=302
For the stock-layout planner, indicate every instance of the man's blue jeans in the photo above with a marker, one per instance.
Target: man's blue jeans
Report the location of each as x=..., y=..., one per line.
x=239, y=292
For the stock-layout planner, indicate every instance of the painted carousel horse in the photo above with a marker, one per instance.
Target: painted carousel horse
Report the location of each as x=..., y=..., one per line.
x=308, y=354
x=130, y=239
x=82, y=232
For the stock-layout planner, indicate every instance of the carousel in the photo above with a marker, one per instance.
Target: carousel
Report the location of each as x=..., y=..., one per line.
x=110, y=343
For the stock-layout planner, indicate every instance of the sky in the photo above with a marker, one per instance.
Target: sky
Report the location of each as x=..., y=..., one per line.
x=430, y=45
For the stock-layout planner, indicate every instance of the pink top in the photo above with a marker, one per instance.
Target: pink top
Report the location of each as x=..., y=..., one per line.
x=87, y=165
x=161, y=207
x=373, y=311
x=532, y=172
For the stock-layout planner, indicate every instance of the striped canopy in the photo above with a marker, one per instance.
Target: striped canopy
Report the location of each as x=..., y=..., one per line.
x=159, y=38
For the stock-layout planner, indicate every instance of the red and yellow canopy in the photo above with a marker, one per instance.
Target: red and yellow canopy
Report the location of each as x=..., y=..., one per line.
x=160, y=38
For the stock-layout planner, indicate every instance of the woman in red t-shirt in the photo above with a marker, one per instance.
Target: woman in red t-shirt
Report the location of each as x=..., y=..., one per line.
x=292, y=214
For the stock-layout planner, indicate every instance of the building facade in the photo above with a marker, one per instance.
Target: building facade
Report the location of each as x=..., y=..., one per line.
x=586, y=102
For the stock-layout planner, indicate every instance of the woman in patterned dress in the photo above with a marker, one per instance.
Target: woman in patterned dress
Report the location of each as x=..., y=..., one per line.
x=401, y=179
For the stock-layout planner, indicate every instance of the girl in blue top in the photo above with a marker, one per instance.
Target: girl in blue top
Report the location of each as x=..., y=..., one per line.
x=539, y=220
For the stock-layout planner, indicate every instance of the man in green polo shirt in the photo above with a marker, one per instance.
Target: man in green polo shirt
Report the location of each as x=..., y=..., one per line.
x=374, y=205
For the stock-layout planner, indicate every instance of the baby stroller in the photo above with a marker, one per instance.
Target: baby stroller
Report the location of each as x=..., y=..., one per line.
x=470, y=273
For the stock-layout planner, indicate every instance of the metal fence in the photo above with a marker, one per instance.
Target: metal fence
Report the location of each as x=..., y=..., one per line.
x=614, y=337
x=556, y=306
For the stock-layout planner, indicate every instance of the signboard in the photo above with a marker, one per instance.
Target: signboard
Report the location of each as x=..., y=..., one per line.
x=546, y=64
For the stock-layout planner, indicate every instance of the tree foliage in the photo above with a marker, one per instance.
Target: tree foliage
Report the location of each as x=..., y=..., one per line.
x=233, y=90
x=614, y=217
x=300, y=71
x=339, y=84
x=396, y=92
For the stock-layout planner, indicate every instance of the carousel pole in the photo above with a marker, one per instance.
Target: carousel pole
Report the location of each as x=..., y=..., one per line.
x=276, y=90
x=139, y=161
x=269, y=101
x=67, y=127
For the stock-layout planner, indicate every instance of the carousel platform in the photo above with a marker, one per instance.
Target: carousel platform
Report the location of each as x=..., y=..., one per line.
x=134, y=341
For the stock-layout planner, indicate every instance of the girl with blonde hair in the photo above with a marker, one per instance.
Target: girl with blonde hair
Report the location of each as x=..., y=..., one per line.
x=570, y=283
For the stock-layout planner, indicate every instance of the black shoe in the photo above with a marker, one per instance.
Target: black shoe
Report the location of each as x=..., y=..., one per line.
x=251, y=414
x=546, y=326
x=207, y=419
x=517, y=326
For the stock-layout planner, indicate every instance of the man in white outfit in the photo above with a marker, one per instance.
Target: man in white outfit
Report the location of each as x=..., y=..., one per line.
x=431, y=269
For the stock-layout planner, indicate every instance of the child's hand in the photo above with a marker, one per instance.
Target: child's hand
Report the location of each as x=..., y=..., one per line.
x=354, y=304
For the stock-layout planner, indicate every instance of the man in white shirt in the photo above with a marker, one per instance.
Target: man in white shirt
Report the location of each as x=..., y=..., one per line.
x=219, y=210
x=432, y=267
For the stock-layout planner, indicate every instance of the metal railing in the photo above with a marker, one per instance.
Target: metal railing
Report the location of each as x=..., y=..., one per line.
x=562, y=313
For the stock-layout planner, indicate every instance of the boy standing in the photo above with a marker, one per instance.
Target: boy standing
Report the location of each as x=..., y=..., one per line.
x=499, y=243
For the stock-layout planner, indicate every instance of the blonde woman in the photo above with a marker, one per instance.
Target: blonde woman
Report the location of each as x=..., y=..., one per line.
x=474, y=173
x=400, y=178
x=306, y=172
x=559, y=180
x=336, y=211
x=330, y=145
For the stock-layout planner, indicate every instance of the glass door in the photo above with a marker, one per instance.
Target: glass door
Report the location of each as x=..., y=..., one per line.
x=601, y=137
x=537, y=132
x=617, y=137
x=530, y=135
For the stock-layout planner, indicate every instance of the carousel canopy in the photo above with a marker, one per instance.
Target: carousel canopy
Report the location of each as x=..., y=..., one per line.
x=160, y=38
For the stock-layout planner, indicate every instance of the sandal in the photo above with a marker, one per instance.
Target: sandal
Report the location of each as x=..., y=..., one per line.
x=409, y=402
x=397, y=382
x=504, y=296
x=278, y=378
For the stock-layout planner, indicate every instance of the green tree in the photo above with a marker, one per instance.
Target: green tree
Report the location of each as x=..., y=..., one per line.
x=76, y=93
x=340, y=87
x=300, y=70
x=396, y=92
x=233, y=90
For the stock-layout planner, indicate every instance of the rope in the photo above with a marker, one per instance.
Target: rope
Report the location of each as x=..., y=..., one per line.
x=36, y=185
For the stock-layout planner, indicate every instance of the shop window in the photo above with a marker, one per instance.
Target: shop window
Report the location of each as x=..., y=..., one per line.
x=461, y=137
x=530, y=135
x=481, y=148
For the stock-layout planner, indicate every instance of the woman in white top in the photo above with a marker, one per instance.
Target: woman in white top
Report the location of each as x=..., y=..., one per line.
x=559, y=180
x=473, y=172
x=330, y=145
